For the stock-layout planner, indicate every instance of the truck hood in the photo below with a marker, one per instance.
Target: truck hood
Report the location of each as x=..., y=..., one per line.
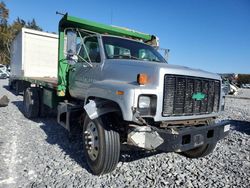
x=127, y=70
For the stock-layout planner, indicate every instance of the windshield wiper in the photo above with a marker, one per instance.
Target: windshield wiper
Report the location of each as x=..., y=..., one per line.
x=155, y=60
x=131, y=57
x=126, y=56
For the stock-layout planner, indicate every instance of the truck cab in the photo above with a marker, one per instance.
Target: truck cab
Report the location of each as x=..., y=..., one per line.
x=106, y=64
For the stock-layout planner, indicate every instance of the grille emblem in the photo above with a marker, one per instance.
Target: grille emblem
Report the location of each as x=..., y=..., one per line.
x=198, y=96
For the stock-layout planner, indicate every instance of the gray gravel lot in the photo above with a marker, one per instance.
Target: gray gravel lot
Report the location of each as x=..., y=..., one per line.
x=38, y=154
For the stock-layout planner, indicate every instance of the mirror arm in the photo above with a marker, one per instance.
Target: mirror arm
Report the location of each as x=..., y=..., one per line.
x=82, y=41
x=91, y=65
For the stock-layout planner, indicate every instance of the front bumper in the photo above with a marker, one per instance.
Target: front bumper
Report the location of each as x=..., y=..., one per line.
x=184, y=139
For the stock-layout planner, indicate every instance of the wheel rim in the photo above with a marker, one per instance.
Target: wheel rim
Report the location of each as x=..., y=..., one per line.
x=91, y=139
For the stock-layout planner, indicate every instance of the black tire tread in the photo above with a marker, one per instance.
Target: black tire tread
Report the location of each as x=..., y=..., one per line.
x=111, y=151
x=33, y=94
x=16, y=88
x=114, y=158
x=201, y=151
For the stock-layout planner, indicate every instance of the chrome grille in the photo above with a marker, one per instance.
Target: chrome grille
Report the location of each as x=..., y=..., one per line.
x=178, y=95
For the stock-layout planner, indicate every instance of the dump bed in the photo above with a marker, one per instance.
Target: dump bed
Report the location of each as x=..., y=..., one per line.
x=34, y=54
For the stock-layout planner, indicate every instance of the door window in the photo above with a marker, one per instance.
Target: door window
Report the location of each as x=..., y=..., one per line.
x=90, y=50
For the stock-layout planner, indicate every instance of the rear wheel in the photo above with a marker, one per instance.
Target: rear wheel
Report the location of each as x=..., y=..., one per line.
x=11, y=85
x=101, y=145
x=17, y=88
x=31, y=102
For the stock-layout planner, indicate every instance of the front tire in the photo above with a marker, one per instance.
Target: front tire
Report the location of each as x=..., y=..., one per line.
x=200, y=151
x=101, y=145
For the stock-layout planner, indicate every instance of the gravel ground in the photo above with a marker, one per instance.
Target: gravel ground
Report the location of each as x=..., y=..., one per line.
x=38, y=154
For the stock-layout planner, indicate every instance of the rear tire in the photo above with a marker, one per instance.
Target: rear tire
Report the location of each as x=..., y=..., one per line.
x=31, y=103
x=200, y=151
x=101, y=145
x=17, y=88
x=11, y=85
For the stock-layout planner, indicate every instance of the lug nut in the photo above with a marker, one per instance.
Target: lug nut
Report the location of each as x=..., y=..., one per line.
x=86, y=133
x=89, y=137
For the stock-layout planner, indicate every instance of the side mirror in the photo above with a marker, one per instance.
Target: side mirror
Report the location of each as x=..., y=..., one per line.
x=71, y=47
x=164, y=52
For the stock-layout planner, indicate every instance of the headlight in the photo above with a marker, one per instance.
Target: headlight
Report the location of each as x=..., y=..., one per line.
x=144, y=102
x=147, y=104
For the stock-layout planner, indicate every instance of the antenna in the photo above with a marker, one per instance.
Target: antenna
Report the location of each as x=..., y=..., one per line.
x=59, y=13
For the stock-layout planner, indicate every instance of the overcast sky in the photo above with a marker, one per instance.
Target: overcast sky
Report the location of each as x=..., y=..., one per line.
x=212, y=35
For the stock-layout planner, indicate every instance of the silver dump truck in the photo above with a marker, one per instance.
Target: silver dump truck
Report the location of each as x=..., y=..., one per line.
x=113, y=81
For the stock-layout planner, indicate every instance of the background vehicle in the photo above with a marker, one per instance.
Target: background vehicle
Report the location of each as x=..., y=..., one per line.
x=3, y=75
x=245, y=85
x=121, y=90
x=3, y=67
x=5, y=70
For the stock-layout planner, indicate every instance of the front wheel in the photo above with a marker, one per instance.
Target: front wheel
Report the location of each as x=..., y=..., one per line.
x=200, y=151
x=101, y=145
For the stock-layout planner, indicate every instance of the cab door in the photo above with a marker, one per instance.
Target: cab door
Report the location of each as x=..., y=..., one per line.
x=87, y=69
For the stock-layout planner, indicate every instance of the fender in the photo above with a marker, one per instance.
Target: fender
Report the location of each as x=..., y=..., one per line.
x=107, y=90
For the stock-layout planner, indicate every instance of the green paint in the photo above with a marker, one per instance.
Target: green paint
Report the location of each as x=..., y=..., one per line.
x=62, y=65
x=50, y=98
x=198, y=96
x=70, y=21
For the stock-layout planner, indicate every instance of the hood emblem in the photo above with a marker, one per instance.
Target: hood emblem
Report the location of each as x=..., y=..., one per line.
x=198, y=96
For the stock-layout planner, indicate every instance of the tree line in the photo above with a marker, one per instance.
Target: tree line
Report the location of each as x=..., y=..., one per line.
x=8, y=31
x=243, y=79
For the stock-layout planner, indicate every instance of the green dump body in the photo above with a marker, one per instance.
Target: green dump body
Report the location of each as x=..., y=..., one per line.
x=73, y=22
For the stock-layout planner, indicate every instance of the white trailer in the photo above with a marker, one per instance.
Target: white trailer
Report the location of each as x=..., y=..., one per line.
x=34, y=55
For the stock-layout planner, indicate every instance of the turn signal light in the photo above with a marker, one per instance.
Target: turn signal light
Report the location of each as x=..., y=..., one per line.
x=142, y=79
x=119, y=92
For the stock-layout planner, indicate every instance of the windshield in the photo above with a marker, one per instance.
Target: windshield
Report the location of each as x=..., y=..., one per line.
x=118, y=48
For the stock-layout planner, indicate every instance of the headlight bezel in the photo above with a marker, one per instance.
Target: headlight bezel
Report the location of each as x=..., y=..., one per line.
x=144, y=102
x=151, y=109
